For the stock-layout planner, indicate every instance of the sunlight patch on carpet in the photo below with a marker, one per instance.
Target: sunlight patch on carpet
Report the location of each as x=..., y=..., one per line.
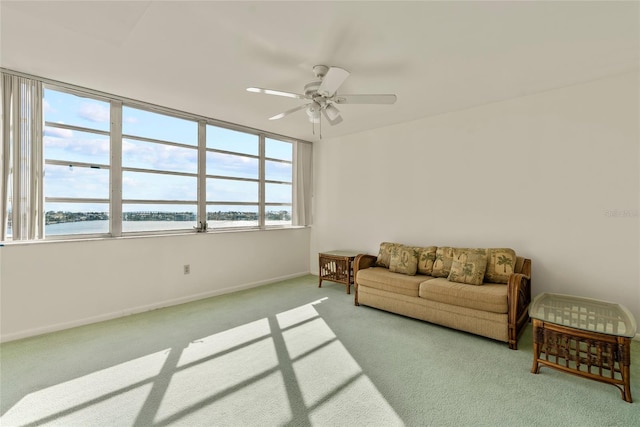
x=330, y=380
x=226, y=341
x=298, y=315
x=281, y=369
x=221, y=373
x=91, y=397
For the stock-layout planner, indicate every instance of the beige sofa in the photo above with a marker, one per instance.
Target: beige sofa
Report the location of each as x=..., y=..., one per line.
x=483, y=291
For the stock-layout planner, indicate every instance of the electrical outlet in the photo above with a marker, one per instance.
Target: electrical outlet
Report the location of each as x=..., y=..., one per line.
x=187, y=269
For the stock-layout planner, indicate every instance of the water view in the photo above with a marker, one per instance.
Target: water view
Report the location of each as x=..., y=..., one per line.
x=65, y=223
x=102, y=227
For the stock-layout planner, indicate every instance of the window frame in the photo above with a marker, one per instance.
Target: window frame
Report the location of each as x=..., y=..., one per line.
x=266, y=181
x=123, y=169
x=116, y=169
x=239, y=179
x=72, y=163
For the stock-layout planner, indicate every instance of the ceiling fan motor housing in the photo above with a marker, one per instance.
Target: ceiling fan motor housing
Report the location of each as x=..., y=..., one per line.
x=320, y=70
x=311, y=89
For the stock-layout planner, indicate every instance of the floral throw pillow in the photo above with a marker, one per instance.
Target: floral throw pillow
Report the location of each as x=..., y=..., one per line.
x=468, y=267
x=384, y=255
x=442, y=263
x=426, y=258
x=404, y=260
x=500, y=264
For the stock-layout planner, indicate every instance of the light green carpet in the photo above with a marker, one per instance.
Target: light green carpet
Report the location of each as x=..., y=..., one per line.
x=291, y=354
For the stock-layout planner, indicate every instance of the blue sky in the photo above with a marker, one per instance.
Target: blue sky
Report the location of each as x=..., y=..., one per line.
x=87, y=147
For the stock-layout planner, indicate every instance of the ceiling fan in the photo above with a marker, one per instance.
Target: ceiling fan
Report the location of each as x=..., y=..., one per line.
x=322, y=96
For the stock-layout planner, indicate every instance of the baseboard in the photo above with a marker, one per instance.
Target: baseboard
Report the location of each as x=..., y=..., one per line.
x=141, y=309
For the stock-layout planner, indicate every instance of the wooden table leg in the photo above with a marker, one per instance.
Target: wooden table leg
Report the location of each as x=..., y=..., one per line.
x=624, y=349
x=535, y=369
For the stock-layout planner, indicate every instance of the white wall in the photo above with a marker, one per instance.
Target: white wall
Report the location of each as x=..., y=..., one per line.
x=544, y=174
x=541, y=174
x=54, y=285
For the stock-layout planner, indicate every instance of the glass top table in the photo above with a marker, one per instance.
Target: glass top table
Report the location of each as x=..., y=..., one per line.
x=584, y=314
x=342, y=253
x=585, y=337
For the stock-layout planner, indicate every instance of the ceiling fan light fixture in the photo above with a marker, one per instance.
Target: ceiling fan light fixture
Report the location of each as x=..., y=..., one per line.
x=332, y=112
x=314, y=114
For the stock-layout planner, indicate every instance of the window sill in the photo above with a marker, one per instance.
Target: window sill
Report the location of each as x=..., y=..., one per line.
x=67, y=239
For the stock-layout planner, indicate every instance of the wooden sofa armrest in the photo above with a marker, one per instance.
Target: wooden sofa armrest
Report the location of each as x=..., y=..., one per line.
x=518, y=300
x=361, y=262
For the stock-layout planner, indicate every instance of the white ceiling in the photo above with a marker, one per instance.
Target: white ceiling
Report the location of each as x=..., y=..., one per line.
x=438, y=57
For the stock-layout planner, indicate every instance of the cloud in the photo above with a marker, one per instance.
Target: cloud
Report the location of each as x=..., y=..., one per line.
x=64, y=181
x=64, y=144
x=94, y=113
x=232, y=165
x=127, y=146
x=159, y=156
x=58, y=132
x=132, y=120
x=46, y=107
x=149, y=186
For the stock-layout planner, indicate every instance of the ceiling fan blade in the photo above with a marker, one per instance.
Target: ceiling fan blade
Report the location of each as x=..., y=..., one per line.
x=332, y=114
x=365, y=99
x=276, y=92
x=332, y=81
x=286, y=113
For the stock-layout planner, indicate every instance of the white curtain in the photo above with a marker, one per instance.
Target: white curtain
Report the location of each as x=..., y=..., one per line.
x=21, y=158
x=303, y=183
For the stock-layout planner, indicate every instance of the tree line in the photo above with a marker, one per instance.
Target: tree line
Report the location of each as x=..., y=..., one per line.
x=53, y=217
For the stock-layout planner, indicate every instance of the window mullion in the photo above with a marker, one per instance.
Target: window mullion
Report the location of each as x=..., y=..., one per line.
x=261, y=189
x=76, y=128
x=202, y=173
x=115, y=177
x=75, y=164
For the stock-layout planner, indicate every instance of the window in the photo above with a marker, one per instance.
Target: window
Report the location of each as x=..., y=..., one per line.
x=233, y=178
x=114, y=166
x=159, y=171
x=76, y=144
x=278, y=182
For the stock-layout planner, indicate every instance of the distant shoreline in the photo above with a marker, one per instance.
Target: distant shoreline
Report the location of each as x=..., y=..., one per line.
x=102, y=227
x=60, y=217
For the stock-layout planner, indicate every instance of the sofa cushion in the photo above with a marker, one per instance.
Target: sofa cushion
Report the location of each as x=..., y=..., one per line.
x=486, y=323
x=384, y=254
x=382, y=278
x=501, y=263
x=490, y=297
x=404, y=260
x=468, y=266
x=426, y=258
x=442, y=263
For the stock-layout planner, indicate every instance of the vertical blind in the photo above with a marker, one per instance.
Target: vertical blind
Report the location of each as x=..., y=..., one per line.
x=21, y=161
x=302, y=184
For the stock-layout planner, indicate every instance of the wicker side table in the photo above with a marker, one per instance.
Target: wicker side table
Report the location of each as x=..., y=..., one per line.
x=584, y=337
x=336, y=266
